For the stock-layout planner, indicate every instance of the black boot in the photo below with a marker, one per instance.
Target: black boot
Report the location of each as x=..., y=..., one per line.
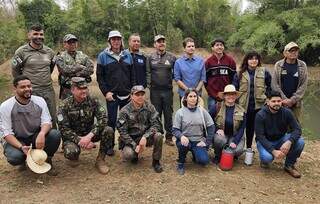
x=157, y=166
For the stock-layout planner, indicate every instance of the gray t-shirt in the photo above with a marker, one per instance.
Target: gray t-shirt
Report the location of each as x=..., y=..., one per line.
x=191, y=123
x=23, y=121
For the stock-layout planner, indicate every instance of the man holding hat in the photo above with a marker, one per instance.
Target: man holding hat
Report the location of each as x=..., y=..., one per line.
x=220, y=69
x=115, y=77
x=290, y=78
x=139, y=126
x=76, y=119
x=72, y=63
x=24, y=121
x=159, y=79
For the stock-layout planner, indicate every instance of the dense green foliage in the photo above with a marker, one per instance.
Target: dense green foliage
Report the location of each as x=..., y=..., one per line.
x=266, y=27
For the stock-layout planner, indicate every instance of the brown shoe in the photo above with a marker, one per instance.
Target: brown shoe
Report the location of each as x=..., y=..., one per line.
x=292, y=171
x=100, y=164
x=169, y=142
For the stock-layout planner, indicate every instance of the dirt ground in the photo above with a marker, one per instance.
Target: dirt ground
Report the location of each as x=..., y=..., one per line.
x=128, y=183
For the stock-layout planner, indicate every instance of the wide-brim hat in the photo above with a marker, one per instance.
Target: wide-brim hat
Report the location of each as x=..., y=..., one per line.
x=229, y=89
x=36, y=161
x=200, y=101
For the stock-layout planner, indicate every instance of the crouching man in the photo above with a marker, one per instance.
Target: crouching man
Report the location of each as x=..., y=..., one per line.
x=24, y=121
x=139, y=126
x=76, y=119
x=278, y=135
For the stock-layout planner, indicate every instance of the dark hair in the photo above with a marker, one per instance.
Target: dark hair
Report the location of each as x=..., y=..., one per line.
x=186, y=94
x=35, y=27
x=274, y=94
x=244, y=66
x=186, y=40
x=19, y=78
x=217, y=40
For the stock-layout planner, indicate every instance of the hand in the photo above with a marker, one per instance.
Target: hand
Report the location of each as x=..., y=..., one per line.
x=143, y=142
x=220, y=132
x=201, y=144
x=90, y=145
x=137, y=150
x=285, y=147
x=233, y=145
x=109, y=96
x=25, y=149
x=184, y=141
x=40, y=141
x=278, y=154
x=84, y=141
x=78, y=68
x=287, y=102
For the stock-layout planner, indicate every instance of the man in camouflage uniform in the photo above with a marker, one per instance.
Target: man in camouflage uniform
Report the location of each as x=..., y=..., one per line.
x=76, y=119
x=36, y=61
x=139, y=126
x=72, y=63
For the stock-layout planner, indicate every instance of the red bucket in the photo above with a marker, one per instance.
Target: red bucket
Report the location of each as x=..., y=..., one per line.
x=226, y=161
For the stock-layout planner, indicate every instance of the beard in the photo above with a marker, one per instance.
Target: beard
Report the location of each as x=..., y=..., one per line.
x=37, y=41
x=275, y=107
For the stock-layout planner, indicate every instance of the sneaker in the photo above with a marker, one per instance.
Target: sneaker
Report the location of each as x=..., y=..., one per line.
x=110, y=152
x=264, y=165
x=157, y=166
x=180, y=168
x=292, y=171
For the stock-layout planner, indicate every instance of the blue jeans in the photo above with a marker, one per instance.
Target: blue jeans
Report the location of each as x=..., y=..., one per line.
x=293, y=154
x=200, y=154
x=112, y=107
x=211, y=104
x=17, y=157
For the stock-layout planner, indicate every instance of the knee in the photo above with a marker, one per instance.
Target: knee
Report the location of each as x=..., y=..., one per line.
x=265, y=157
x=71, y=151
x=300, y=144
x=54, y=136
x=203, y=159
x=128, y=153
x=16, y=158
x=219, y=141
x=107, y=132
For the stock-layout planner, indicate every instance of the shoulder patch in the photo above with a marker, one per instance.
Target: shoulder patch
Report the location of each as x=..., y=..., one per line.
x=60, y=117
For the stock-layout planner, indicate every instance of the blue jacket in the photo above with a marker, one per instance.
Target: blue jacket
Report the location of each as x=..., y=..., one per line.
x=113, y=75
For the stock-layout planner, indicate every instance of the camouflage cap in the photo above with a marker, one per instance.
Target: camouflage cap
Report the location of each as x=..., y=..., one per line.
x=137, y=88
x=158, y=37
x=79, y=82
x=68, y=37
x=291, y=45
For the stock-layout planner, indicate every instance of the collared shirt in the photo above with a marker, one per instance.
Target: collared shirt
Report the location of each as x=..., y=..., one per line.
x=190, y=71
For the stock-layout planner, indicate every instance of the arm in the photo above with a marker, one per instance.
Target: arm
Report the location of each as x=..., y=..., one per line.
x=53, y=61
x=260, y=134
x=123, y=127
x=239, y=134
x=202, y=77
x=100, y=73
x=236, y=81
x=178, y=76
x=87, y=69
x=148, y=64
x=275, y=79
x=233, y=71
x=17, y=64
x=211, y=131
x=101, y=116
x=297, y=96
x=294, y=126
x=66, y=70
x=176, y=126
x=64, y=125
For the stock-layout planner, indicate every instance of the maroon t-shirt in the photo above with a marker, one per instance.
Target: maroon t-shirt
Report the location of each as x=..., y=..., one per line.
x=219, y=73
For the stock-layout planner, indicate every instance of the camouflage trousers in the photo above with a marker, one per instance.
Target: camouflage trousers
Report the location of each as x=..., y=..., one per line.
x=72, y=150
x=155, y=139
x=49, y=96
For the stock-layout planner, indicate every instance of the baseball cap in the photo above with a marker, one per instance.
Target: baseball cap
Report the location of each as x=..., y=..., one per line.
x=68, y=37
x=290, y=45
x=114, y=33
x=137, y=88
x=79, y=82
x=158, y=37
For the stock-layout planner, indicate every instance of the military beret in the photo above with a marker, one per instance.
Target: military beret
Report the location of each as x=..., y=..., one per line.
x=79, y=82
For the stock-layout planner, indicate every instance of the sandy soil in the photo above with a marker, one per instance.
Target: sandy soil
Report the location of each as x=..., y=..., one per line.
x=127, y=183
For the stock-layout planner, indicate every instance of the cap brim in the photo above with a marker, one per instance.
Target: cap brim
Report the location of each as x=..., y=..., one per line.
x=221, y=94
x=159, y=39
x=36, y=168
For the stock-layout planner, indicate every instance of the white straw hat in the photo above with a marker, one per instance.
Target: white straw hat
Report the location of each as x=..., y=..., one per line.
x=36, y=161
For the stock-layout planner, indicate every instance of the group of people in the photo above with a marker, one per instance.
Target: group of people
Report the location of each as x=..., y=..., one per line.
x=240, y=104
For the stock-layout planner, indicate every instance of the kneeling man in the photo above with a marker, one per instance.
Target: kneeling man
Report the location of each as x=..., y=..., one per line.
x=24, y=121
x=278, y=135
x=139, y=126
x=76, y=119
